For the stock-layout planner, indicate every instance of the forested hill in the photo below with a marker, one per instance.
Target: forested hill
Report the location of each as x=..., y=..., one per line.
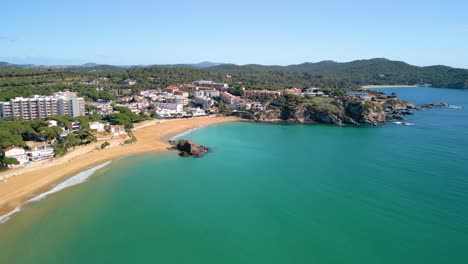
x=362, y=72
x=21, y=80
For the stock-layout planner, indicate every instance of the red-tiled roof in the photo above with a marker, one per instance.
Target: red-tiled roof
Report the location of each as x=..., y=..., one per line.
x=199, y=87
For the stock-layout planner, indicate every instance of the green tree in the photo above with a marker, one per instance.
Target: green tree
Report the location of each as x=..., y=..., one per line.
x=6, y=162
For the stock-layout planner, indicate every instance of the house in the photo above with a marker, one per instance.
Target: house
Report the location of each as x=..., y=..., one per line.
x=206, y=93
x=198, y=112
x=360, y=94
x=229, y=98
x=257, y=106
x=39, y=153
x=128, y=82
x=51, y=123
x=117, y=130
x=181, y=93
x=178, y=100
x=75, y=126
x=240, y=106
x=259, y=93
x=17, y=153
x=212, y=91
x=205, y=101
x=98, y=126
x=217, y=86
x=312, y=91
x=171, y=89
x=295, y=91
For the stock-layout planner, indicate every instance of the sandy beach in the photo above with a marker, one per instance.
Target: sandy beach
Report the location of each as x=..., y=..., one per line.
x=25, y=183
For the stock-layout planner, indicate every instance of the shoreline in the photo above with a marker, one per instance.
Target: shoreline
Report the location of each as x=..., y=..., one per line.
x=389, y=86
x=151, y=137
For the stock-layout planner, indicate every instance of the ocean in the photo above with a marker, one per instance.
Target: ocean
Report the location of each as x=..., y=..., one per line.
x=269, y=193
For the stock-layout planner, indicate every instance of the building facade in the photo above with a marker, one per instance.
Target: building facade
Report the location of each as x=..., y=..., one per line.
x=229, y=98
x=169, y=106
x=18, y=153
x=36, y=106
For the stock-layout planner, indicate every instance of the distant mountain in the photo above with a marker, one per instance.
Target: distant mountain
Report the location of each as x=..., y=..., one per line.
x=323, y=67
x=201, y=65
x=15, y=66
x=89, y=64
x=206, y=64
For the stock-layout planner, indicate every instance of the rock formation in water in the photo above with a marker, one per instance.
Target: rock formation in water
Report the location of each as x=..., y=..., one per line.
x=438, y=104
x=190, y=148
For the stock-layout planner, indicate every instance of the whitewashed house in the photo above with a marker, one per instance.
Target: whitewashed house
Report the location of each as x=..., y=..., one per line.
x=98, y=126
x=52, y=123
x=117, y=130
x=39, y=153
x=18, y=153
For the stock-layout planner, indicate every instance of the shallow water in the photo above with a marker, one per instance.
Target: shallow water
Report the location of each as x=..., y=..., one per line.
x=270, y=194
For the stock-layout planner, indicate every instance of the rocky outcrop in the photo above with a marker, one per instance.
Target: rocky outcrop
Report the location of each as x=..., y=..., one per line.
x=438, y=104
x=190, y=148
x=339, y=111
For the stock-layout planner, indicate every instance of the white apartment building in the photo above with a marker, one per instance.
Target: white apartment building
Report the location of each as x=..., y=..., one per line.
x=218, y=86
x=169, y=106
x=205, y=101
x=37, y=106
x=177, y=99
x=207, y=93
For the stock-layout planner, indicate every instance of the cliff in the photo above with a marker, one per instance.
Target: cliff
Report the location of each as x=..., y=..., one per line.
x=337, y=111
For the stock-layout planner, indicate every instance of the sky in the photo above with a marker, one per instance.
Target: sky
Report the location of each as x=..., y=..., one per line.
x=270, y=32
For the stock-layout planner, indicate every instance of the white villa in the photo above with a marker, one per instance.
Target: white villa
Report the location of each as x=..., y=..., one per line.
x=39, y=153
x=18, y=153
x=52, y=123
x=117, y=130
x=363, y=95
x=98, y=126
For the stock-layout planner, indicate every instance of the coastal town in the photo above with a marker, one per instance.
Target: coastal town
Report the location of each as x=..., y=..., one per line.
x=43, y=127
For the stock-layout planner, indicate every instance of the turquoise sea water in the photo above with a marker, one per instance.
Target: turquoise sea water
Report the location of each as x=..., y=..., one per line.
x=270, y=194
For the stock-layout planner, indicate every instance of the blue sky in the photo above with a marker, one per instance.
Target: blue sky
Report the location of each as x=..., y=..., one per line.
x=241, y=32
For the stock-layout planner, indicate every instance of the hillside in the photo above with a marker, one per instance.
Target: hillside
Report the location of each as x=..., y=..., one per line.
x=362, y=72
x=23, y=80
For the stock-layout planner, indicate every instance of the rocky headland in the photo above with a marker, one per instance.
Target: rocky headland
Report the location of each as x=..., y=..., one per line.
x=339, y=111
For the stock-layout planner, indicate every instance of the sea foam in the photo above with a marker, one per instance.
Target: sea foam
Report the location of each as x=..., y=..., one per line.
x=404, y=123
x=178, y=136
x=455, y=106
x=77, y=179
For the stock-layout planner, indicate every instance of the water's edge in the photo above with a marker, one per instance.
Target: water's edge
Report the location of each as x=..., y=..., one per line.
x=74, y=180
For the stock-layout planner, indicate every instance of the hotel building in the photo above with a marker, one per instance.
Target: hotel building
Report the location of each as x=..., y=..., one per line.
x=37, y=106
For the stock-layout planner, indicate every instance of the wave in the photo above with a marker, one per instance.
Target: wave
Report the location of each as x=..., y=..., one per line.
x=75, y=180
x=404, y=123
x=455, y=106
x=178, y=136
